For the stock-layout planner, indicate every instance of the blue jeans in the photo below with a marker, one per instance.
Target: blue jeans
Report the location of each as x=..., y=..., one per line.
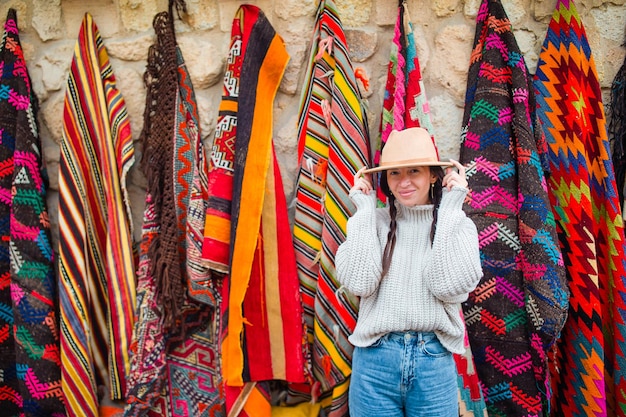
x=403, y=374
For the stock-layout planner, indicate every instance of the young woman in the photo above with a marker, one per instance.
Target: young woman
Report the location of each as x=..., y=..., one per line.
x=411, y=263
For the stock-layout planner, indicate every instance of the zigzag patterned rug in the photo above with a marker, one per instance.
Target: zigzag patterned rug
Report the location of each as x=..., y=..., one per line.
x=519, y=306
x=588, y=370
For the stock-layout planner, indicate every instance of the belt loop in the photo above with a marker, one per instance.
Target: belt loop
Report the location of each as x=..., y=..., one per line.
x=420, y=337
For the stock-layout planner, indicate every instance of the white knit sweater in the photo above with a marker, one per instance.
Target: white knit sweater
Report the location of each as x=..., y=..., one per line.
x=425, y=284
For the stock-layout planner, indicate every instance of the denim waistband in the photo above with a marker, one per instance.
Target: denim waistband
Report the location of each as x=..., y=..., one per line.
x=410, y=335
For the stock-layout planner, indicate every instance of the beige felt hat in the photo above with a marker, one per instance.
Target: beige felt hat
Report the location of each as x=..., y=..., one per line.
x=408, y=148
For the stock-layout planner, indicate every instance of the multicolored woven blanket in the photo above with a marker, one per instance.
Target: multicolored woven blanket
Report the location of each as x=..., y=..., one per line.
x=247, y=232
x=519, y=307
x=405, y=103
x=96, y=267
x=174, y=372
x=588, y=370
x=333, y=144
x=30, y=373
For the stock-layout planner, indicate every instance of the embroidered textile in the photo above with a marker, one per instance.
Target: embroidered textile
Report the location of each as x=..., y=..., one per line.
x=519, y=307
x=173, y=372
x=96, y=267
x=588, y=367
x=30, y=373
x=333, y=144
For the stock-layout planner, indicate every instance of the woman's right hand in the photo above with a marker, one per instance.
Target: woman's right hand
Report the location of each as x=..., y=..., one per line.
x=362, y=182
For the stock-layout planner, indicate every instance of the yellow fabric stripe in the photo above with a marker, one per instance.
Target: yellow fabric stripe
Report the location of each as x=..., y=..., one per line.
x=272, y=290
x=219, y=226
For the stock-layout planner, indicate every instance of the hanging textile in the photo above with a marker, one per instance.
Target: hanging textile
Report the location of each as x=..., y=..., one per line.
x=97, y=273
x=405, y=103
x=617, y=128
x=30, y=373
x=518, y=309
x=247, y=232
x=175, y=358
x=333, y=144
x=588, y=367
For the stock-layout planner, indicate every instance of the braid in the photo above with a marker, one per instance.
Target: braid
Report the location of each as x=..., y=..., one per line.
x=391, y=236
x=437, y=194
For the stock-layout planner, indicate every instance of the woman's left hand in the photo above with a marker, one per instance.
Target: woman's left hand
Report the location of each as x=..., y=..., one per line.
x=454, y=178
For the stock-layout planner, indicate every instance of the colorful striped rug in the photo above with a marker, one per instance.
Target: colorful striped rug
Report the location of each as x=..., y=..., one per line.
x=247, y=232
x=173, y=372
x=333, y=144
x=97, y=272
x=30, y=373
x=588, y=369
x=519, y=307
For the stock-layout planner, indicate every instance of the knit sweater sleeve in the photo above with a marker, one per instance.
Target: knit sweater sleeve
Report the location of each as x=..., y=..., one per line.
x=358, y=258
x=454, y=268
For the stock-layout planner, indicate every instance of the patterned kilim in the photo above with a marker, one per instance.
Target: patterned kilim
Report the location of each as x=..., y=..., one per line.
x=173, y=373
x=588, y=368
x=333, y=143
x=263, y=328
x=96, y=268
x=519, y=307
x=405, y=103
x=30, y=373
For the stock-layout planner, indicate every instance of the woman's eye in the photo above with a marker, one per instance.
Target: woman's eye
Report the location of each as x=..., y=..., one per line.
x=393, y=172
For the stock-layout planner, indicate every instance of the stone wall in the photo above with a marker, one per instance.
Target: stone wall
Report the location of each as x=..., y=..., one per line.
x=444, y=31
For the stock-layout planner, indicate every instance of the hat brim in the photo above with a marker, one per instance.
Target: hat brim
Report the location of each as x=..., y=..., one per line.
x=408, y=164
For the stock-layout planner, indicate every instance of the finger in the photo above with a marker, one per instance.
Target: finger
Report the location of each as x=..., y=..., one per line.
x=458, y=165
x=359, y=174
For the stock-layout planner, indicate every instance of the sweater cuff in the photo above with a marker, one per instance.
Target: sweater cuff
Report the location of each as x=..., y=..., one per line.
x=453, y=199
x=363, y=201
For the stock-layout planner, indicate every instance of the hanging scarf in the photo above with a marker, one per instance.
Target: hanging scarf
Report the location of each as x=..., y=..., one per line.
x=518, y=309
x=173, y=370
x=97, y=273
x=588, y=368
x=30, y=371
x=405, y=103
x=333, y=144
x=247, y=231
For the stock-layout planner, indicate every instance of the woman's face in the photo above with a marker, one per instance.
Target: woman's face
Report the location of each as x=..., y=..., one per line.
x=411, y=186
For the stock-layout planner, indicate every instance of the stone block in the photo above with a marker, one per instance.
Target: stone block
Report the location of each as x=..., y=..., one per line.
x=131, y=48
x=204, y=61
x=362, y=43
x=47, y=19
